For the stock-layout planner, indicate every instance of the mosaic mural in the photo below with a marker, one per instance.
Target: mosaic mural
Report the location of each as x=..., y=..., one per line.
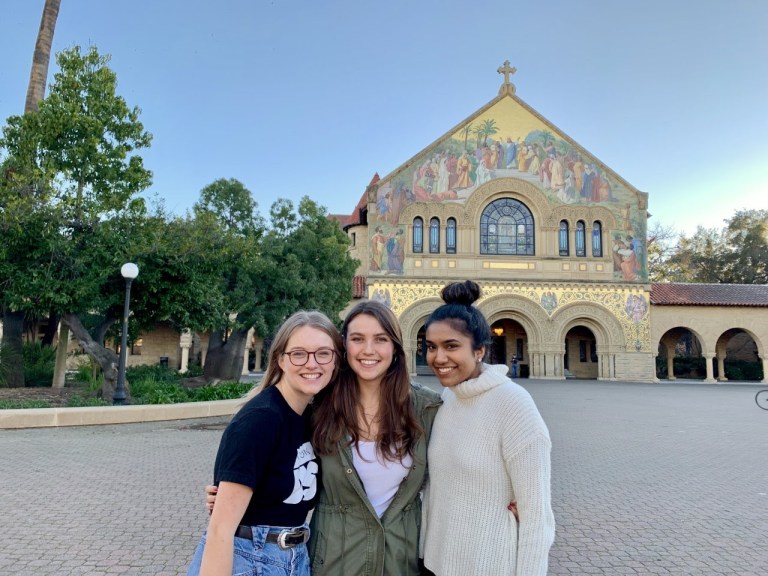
x=630, y=308
x=506, y=141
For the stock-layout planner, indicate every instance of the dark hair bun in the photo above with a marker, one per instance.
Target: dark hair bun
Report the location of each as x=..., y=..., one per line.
x=464, y=293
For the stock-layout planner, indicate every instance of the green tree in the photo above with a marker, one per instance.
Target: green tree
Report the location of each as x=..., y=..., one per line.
x=698, y=258
x=746, y=236
x=71, y=170
x=661, y=242
x=300, y=260
x=230, y=209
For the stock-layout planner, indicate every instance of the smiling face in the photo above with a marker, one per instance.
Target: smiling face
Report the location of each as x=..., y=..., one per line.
x=370, y=350
x=450, y=354
x=299, y=384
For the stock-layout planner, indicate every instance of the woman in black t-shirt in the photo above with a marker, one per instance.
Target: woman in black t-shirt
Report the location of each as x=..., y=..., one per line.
x=266, y=469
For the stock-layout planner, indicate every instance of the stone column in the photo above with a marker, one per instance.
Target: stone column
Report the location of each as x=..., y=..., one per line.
x=765, y=369
x=410, y=354
x=248, y=347
x=655, y=376
x=185, y=343
x=670, y=363
x=258, y=347
x=710, y=371
x=721, y=368
x=533, y=365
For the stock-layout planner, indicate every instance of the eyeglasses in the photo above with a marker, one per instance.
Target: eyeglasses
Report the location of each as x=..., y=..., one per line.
x=301, y=357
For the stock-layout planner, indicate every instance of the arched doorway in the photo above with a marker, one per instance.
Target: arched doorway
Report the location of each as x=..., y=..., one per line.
x=680, y=355
x=580, y=359
x=737, y=357
x=421, y=352
x=509, y=346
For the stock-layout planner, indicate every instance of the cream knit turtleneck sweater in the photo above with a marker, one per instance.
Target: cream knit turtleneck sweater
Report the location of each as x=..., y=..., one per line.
x=489, y=446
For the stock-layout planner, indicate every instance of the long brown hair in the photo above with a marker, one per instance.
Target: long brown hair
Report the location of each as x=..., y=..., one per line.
x=311, y=318
x=336, y=411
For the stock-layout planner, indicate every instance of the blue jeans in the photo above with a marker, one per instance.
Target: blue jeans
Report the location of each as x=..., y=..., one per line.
x=258, y=558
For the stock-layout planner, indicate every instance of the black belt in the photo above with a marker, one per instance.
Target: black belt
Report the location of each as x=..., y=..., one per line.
x=284, y=538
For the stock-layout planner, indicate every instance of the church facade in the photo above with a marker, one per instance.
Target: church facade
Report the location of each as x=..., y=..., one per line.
x=556, y=239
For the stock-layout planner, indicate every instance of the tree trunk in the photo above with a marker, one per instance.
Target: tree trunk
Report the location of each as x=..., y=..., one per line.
x=104, y=357
x=13, y=322
x=50, y=329
x=42, y=56
x=60, y=369
x=224, y=360
x=13, y=359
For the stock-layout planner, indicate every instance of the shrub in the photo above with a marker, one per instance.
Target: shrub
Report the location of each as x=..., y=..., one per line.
x=222, y=391
x=39, y=363
x=152, y=373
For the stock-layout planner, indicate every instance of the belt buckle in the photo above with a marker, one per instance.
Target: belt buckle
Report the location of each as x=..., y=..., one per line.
x=290, y=538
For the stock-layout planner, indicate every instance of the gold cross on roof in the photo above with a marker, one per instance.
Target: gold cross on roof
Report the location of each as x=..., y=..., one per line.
x=507, y=70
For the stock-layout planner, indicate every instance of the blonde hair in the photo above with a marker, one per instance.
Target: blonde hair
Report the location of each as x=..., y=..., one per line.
x=300, y=319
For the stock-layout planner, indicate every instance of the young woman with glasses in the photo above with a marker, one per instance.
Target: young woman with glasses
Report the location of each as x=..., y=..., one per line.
x=266, y=468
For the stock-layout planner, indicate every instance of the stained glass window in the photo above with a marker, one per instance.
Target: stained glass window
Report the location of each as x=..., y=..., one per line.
x=597, y=240
x=450, y=236
x=564, y=248
x=506, y=227
x=581, y=248
x=434, y=236
x=418, y=235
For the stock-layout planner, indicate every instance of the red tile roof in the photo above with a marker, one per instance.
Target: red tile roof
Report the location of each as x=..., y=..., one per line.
x=709, y=295
x=356, y=217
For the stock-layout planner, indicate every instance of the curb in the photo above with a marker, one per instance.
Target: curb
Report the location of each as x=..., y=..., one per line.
x=96, y=415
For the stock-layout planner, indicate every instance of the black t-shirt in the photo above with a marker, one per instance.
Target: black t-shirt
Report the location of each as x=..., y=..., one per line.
x=266, y=447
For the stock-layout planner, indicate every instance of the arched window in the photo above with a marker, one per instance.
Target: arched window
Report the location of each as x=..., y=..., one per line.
x=597, y=239
x=563, y=239
x=418, y=235
x=506, y=227
x=450, y=236
x=581, y=248
x=434, y=236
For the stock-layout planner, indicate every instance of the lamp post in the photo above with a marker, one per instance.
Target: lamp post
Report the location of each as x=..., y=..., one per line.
x=129, y=271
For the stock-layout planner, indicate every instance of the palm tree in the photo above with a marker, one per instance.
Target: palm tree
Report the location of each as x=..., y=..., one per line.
x=478, y=132
x=42, y=55
x=466, y=130
x=13, y=320
x=488, y=128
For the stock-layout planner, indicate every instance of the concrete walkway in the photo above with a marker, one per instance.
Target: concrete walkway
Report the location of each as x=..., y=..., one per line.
x=647, y=479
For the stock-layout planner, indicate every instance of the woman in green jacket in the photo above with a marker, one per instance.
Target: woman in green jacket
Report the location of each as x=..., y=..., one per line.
x=371, y=429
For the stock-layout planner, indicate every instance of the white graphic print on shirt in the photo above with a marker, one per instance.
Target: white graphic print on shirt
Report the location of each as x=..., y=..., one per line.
x=304, y=474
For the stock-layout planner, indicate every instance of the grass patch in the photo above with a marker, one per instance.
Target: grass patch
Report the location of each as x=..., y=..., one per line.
x=23, y=404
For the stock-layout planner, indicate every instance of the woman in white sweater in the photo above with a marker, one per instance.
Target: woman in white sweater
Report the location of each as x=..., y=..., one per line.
x=489, y=447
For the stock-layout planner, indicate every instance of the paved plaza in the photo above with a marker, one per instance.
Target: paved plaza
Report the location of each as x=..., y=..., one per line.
x=647, y=479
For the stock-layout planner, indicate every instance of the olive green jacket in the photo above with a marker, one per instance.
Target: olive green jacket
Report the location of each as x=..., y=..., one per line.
x=347, y=537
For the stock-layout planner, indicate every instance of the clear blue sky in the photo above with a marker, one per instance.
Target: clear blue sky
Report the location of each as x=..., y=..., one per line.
x=311, y=97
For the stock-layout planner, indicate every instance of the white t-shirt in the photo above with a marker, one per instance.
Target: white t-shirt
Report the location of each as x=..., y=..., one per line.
x=381, y=478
